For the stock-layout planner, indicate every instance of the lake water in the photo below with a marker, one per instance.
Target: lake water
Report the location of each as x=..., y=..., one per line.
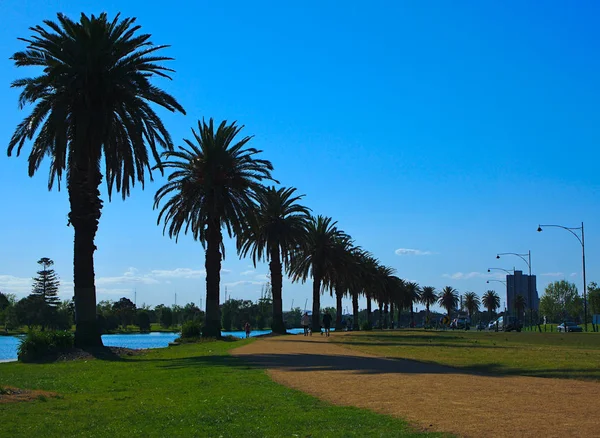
x=9, y=344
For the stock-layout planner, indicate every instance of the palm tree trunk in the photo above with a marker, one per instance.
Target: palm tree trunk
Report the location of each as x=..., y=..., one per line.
x=428, y=324
x=86, y=207
x=338, y=302
x=276, y=288
x=386, y=314
x=391, y=325
x=412, y=316
x=369, y=311
x=355, y=324
x=381, y=315
x=212, y=324
x=316, y=310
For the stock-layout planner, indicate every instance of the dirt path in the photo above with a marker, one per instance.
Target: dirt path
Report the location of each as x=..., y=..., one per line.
x=433, y=397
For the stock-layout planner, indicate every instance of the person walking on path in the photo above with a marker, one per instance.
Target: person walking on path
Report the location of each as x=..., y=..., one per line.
x=305, y=322
x=327, y=323
x=247, y=329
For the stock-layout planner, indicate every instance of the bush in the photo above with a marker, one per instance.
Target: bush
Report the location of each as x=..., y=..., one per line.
x=366, y=326
x=143, y=320
x=191, y=329
x=37, y=345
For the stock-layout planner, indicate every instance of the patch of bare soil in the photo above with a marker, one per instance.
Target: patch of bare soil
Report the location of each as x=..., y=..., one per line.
x=432, y=397
x=9, y=394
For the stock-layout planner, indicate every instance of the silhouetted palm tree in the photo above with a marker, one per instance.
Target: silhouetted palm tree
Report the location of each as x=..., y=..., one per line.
x=357, y=280
x=414, y=295
x=520, y=305
x=491, y=301
x=384, y=292
x=402, y=297
x=276, y=228
x=214, y=184
x=316, y=256
x=338, y=278
x=429, y=298
x=472, y=303
x=448, y=299
x=91, y=108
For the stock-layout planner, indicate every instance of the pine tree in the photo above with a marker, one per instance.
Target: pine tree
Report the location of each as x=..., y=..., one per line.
x=45, y=285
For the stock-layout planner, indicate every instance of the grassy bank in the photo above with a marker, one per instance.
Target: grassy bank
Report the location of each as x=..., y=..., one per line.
x=570, y=355
x=190, y=390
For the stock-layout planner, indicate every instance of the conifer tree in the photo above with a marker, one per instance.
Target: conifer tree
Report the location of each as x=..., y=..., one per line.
x=45, y=285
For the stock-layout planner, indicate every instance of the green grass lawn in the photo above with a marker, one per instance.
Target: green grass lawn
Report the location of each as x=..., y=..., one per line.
x=570, y=355
x=190, y=390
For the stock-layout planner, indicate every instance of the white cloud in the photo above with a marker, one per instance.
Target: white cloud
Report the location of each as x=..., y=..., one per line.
x=131, y=276
x=248, y=272
x=178, y=273
x=573, y=274
x=408, y=251
x=15, y=285
x=553, y=274
x=242, y=283
x=264, y=277
x=470, y=275
x=120, y=292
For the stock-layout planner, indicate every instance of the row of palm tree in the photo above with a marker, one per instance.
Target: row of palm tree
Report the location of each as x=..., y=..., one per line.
x=92, y=109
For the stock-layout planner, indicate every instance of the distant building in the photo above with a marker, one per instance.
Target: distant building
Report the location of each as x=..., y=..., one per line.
x=521, y=284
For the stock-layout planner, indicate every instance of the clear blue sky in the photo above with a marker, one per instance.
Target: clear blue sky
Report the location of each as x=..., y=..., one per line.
x=451, y=128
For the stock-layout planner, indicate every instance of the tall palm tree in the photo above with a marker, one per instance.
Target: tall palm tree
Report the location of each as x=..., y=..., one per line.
x=316, y=256
x=276, y=228
x=370, y=282
x=358, y=267
x=214, y=184
x=338, y=278
x=414, y=296
x=92, y=107
x=448, y=299
x=383, y=291
x=400, y=296
x=472, y=303
x=491, y=301
x=428, y=297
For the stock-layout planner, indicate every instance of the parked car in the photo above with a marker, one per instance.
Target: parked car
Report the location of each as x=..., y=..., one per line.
x=480, y=326
x=492, y=325
x=461, y=323
x=568, y=327
x=509, y=323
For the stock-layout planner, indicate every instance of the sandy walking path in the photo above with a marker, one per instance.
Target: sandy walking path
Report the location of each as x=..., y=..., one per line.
x=432, y=397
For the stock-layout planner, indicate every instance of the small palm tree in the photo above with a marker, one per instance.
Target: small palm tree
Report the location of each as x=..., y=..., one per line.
x=520, y=304
x=214, y=184
x=92, y=108
x=472, y=303
x=276, y=228
x=429, y=298
x=316, y=256
x=448, y=299
x=491, y=301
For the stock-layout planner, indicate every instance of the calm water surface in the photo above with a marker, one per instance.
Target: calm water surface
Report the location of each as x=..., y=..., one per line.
x=9, y=344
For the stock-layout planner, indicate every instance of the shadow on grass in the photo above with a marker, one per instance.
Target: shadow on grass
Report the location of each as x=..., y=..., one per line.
x=421, y=344
x=367, y=365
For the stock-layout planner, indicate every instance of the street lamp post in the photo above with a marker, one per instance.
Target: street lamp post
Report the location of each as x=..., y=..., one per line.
x=505, y=283
x=528, y=262
x=582, y=241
